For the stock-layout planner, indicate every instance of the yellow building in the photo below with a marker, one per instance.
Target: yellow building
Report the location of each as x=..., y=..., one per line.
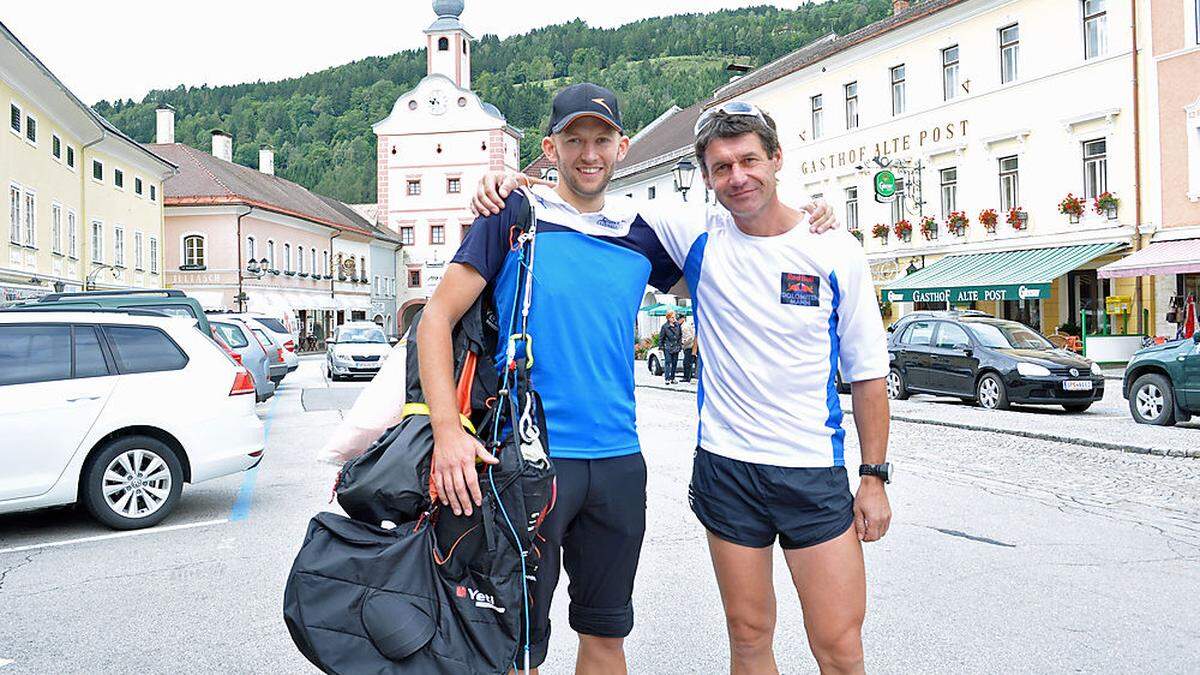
x=84, y=206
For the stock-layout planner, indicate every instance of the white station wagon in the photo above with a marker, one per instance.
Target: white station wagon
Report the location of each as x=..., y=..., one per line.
x=117, y=411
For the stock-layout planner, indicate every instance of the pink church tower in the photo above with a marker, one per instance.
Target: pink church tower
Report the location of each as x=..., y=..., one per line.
x=439, y=139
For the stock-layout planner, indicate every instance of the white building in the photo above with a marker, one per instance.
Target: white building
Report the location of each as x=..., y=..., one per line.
x=432, y=150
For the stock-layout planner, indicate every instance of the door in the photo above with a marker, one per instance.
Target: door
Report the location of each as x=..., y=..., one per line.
x=916, y=355
x=47, y=404
x=1189, y=391
x=954, y=360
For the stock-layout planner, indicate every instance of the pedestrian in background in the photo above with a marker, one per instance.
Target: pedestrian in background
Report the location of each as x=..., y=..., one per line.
x=689, y=347
x=670, y=339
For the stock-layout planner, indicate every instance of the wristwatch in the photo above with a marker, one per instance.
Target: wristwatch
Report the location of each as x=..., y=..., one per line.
x=883, y=471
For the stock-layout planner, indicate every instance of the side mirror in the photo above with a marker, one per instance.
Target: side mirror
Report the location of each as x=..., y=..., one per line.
x=393, y=341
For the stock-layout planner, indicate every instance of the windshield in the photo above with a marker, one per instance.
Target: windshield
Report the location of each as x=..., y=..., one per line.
x=361, y=336
x=1009, y=336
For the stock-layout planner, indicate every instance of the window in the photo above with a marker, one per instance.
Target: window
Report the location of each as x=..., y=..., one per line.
x=454, y=185
x=465, y=229
x=407, y=237
x=300, y=259
x=153, y=192
x=1009, y=184
x=325, y=262
x=1010, y=47
x=950, y=72
x=251, y=253
x=271, y=255
x=89, y=357
x=70, y=157
x=56, y=229
x=287, y=257
x=852, y=105
x=949, y=182
x=97, y=169
x=97, y=241
x=920, y=334
x=137, y=251
x=137, y=186
x=153, y=255
x=143, y=350
x=898, y=202
x=818, y=115
x=15, y=118
x=119, y=246
x=1095, y=168
x=316, y=271
x=414, y=278
x=1196, y=20
x=443, y=44
x=14, y=214
x=414, y=188
x=119, y=178
x=651, y=192
x=56, y=146
x=951, y=335
x=898, y=90
x=362, y=267
x=231, y=335
x=1095, y=29
x=30, y=219
x=193, y=252
x=852, y=209
x=34, y=354
x=437, y=234
x=72, y=236
x=30, y=129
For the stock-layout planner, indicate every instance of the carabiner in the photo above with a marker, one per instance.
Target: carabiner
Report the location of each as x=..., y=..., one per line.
x=512, y=348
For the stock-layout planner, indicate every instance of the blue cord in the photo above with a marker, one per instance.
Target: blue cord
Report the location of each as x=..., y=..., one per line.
x=524, y=579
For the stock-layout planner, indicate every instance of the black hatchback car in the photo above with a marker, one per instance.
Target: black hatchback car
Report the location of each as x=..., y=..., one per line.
x=989, y=361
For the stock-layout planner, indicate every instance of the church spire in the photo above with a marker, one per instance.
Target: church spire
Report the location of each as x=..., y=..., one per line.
x=449, y=47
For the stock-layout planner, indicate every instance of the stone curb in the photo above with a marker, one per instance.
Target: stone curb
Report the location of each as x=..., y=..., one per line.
x=1072, y=440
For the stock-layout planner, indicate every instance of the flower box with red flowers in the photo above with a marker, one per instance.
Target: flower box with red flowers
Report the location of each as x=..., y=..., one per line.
x=1071, y=206
x=1018, y=218
x=929, y=228
x=989, y=218
x=957, y=223
x=880, y=232
x=1106, y=205
x=903, y=230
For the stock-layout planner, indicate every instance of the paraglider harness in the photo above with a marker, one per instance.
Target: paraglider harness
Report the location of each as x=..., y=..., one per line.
x=400, y=585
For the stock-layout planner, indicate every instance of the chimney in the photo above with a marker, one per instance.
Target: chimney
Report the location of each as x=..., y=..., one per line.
x=222, y=145
x=266, y=159
x=165, y=124
x=900, y=6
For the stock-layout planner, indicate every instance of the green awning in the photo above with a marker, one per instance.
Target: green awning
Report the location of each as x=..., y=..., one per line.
x=1002, y=275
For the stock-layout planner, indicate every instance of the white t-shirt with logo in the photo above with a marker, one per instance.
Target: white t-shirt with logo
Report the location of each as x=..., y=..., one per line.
x=775, y=317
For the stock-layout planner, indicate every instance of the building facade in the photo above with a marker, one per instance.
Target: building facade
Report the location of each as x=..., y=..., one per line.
x=84, y=200
x=433, y=148
x=244, y=239
x=971, y=105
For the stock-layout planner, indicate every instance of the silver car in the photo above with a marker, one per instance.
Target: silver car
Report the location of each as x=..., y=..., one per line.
x=358, y=348
x=236, y=334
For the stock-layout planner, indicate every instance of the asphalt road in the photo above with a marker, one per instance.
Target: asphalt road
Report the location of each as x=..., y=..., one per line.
x=1007, y=554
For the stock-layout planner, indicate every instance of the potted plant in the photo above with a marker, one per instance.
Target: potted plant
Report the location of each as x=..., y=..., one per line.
x=1072, y=206
x=880, y=232
x=929, y=228
x=1106, y=205
x=857, y=234
x=989, y=217
x=903, y=230
x=1018, y=218
x=957, y=223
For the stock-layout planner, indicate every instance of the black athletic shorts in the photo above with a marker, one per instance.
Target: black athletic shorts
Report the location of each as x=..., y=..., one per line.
x=595, y=530
x=750, y=504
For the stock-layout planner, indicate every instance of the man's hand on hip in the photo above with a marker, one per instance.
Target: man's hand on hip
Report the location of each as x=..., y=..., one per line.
x=872, y=513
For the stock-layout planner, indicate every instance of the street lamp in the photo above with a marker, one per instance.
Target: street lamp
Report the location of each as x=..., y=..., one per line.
x=256, y=269
x=684, y=172
x=88, y=281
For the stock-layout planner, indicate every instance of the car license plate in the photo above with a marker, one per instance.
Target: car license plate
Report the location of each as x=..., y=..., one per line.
x=1077, y=385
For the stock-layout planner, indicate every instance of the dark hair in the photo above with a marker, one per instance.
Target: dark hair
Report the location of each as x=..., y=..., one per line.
x=724, y=125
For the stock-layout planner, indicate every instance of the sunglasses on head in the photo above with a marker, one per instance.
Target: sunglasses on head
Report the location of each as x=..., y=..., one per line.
x=731, y=108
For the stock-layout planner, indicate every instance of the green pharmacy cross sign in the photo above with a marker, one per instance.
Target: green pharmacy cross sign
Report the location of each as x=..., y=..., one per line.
x=885, y=186
x=969, y=293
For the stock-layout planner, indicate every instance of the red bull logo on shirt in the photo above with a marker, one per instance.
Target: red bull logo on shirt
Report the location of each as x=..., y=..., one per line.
x=800, y=289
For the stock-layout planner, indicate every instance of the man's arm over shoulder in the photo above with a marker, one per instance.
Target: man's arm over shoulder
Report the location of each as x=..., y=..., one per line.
x=864, y=354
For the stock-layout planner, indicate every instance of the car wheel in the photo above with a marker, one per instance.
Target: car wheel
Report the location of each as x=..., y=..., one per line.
x=896, y=389
x=654, y=366
x=133, y=482
x=991, y=393
x=1152, y=400
x=1076, y=407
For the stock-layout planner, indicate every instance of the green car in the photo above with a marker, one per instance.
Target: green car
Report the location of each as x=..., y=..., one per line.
x=1162, y=383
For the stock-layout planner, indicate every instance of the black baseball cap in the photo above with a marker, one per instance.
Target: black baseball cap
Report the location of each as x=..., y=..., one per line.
x=584, y=100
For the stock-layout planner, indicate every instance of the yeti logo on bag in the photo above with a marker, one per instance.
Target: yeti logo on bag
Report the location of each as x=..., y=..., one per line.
x=481, y=599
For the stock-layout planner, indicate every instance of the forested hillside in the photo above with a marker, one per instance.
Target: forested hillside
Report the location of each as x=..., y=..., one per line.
x=320, y=123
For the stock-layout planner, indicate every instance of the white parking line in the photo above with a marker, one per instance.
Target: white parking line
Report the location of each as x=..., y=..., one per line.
x=5, y=662
x=114, y=535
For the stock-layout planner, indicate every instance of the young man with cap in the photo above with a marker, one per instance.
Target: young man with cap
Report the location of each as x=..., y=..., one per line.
x=594, y=260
